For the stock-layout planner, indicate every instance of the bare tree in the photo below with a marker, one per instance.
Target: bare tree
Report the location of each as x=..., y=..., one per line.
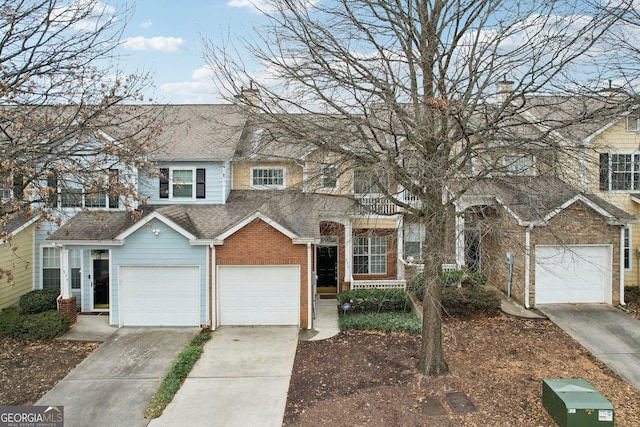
x=67, y=118
x=408, y=90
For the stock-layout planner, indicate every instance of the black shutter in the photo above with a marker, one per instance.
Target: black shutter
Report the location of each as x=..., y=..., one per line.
x=52, y=187
x=18, y=187
x=604, y=171
x=164, y=183
x=200, y=183
x=114, y=196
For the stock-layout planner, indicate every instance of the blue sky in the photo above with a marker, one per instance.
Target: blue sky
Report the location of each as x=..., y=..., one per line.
x=164, y=37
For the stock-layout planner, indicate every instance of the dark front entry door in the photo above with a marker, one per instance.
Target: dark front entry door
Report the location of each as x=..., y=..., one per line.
x=327, y=257
x=100, y=283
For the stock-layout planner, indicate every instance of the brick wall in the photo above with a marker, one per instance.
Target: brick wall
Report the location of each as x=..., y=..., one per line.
x=260, y=244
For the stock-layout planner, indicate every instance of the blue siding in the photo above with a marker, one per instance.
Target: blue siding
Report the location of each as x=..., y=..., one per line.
x=150, y=186
x=167, y=248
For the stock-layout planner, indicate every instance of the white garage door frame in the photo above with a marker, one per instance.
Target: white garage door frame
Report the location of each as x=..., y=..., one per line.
x=573, y=274
x=258, y=295
x=173, y=304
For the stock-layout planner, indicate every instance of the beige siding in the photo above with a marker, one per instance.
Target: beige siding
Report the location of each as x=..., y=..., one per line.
x=375, y=223
x=20, y=263
x=616, y=139
x=242, y=174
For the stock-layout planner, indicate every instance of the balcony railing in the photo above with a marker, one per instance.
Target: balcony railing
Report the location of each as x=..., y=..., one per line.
x=379, y=204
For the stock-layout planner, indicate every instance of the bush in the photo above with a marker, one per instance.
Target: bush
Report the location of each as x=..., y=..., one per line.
x=44, y=325
x=470, y=300
x=632, y=294
x=465, y=278
x=39, y=301
x=383, y=322
x=375, y=300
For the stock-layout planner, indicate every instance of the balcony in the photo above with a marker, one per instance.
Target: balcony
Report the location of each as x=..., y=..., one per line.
x=380, y=205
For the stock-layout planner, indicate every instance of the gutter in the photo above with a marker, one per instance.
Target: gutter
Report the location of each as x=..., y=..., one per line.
x=310, y=296
x=621, y=266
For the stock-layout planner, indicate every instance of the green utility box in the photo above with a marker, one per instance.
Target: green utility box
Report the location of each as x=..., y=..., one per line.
x=575, y=403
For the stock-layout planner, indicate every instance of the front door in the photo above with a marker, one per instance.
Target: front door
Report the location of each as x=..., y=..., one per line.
x=327, y=258
x=100, y=280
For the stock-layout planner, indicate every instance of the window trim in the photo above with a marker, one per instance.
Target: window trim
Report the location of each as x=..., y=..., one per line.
x=268, y=186
x=510, y=160
x=606, y=179
x=42, y=266
x=635, y=128
x=172, y=183
x=334, y=170
x=369, y=255
x=627, y=248
x=111, y=199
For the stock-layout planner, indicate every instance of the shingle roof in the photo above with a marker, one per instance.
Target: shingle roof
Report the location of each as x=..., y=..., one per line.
x=200, y=132
x=298, y=212
x=532, y=199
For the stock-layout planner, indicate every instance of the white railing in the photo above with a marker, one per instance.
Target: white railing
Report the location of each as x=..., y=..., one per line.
x=378, y=204
x=379, y=284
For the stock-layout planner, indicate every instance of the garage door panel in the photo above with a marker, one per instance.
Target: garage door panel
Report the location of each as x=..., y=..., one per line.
x=573, y=274
x=160, y=295
x=259, y=295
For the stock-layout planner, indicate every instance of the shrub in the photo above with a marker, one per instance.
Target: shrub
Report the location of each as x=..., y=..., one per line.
x=375, y=300
x=632, y=294
x=465, y=278
x=39, y=301
x=383, y=322
x=44, y=325
x=470, y=300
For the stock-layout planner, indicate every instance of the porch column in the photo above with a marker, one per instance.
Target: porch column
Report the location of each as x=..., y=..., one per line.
x=400, y=248
x=66, y=302
x=348, y=251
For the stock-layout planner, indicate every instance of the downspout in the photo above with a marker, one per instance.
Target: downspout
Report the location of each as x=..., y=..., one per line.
x=527, y=267
x=212, y=287
x=310, y=296
x=621, y=278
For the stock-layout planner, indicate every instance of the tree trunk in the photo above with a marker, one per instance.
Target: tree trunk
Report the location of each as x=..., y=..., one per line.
x=432, y=361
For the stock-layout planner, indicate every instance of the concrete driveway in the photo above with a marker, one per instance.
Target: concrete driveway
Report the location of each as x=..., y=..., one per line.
x=607, y=332
x=113, y=386
x=241, y=379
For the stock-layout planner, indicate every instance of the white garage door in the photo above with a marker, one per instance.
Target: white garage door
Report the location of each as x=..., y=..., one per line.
x=573, y=274
x=159, y=295
x=259, y=295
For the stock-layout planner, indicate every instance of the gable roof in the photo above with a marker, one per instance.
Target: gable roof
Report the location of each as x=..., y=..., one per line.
x=296, y=214
x=535, y=200
x=199, y=132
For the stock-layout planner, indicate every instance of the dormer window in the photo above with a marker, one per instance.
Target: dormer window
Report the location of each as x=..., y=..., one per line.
x=329, y=177
x=518, y=164
x=633, y=123
x=267, y=178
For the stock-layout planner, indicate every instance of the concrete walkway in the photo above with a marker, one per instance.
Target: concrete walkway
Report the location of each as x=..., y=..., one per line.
x=241, y=379
x=605, y=331
x=325, y=322
x=113, y=386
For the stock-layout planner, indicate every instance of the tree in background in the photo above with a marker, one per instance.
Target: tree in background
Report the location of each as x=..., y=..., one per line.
x=406, y=89
x=67, y=116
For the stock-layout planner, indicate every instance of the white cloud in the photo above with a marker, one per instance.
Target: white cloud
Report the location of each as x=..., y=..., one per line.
x=200, y=89
x=161, y=44
x=146, y=24
x=265, y=5
x=70, y=14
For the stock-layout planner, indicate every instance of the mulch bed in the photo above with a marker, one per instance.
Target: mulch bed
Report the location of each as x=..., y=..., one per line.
x=369, y=379
x=29, y=369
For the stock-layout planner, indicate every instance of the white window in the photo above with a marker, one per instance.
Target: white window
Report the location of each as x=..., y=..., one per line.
x=75, y=264
x=366, y=181
x=619, y=172
x=518, y=164
x=50, y=267
x=329, y=177
x=182, y=183
x=267, y=178
x=633, y=123
x=370, y=255
x=413, y=240
x=73, y=194
x=627, y=247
